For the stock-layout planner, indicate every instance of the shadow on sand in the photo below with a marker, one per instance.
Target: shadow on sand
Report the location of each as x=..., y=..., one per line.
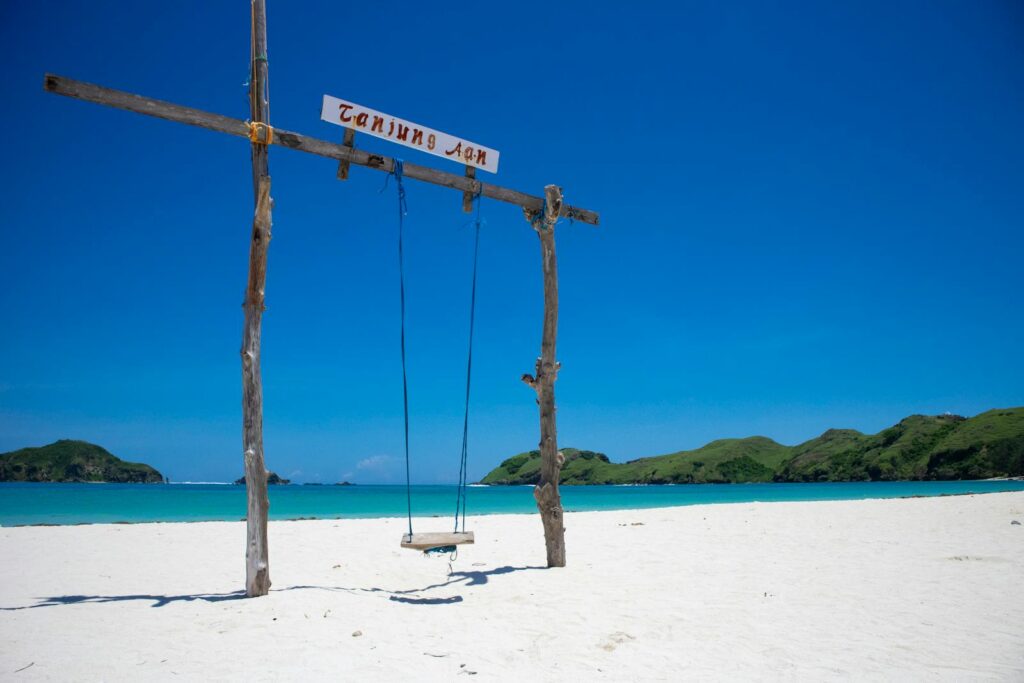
x=158, y=600
x=468, y=578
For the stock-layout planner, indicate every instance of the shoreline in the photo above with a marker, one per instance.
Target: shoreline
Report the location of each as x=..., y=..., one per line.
x=401, y=515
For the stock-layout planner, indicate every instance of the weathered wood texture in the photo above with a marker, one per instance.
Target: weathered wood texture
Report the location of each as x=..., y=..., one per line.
x=224, y=124
x=467, y=197
x=549, y=501
x=436, y=539
x=350, y=142
x=257, y=552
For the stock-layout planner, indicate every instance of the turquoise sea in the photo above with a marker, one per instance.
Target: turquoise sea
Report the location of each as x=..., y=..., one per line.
x=99, y=503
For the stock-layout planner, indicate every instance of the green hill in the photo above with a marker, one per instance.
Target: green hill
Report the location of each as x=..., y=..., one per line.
x=919, y=447
x=70, y=461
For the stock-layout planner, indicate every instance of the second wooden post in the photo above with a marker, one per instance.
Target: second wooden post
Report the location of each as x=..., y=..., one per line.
x=549, y=501
x=257, y=561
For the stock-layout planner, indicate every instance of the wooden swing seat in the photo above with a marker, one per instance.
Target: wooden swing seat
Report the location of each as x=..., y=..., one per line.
x=436, y=539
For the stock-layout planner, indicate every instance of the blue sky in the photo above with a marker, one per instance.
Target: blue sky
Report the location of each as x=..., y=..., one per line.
x=811, y=218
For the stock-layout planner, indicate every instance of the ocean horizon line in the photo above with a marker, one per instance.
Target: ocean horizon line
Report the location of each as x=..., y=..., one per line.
x=26, y=504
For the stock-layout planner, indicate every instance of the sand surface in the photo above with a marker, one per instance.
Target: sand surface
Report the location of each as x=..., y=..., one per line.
x=894, y=589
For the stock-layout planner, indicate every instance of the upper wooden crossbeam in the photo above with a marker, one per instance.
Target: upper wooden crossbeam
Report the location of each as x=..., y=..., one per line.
x=283, y=138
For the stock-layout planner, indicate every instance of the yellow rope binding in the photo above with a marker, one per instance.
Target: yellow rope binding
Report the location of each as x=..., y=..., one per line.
x=254, y=133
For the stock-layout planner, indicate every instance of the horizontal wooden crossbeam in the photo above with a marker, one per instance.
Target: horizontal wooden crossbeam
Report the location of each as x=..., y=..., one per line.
x=303, y=143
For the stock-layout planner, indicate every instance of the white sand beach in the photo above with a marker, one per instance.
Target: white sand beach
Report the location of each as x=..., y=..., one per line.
x=894, y=589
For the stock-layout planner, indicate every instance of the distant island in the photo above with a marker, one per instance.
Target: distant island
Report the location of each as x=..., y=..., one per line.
x=919, y=447
x=272, y=478
x=73, y=461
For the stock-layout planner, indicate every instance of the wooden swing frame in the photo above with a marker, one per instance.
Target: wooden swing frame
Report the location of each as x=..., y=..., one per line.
x=542, y=214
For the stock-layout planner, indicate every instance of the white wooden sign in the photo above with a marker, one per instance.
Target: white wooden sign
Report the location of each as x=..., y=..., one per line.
x=381, y=125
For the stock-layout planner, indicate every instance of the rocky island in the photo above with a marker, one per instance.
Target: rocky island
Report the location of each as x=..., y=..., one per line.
x=272, y=479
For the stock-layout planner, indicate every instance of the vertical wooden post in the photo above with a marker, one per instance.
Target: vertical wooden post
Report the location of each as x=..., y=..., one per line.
x=549, y=502
x=257, y=562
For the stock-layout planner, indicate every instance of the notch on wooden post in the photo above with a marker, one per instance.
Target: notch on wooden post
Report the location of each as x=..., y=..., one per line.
x=468, y=196
x=349, y=141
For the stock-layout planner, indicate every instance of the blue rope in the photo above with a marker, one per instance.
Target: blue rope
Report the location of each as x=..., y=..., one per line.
x=260, y=58
x=441, y=550
x=539, y=221
x=402, y=211
x=460, y=497
x=460, y=501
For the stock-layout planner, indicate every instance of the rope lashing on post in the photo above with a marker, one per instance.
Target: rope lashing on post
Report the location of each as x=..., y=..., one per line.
x=260, y=58
x=539, y=219
x=255, y=128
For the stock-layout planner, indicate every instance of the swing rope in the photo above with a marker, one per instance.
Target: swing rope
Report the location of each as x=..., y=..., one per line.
x=460, y=500
x=460, y=496
x=402, y=210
